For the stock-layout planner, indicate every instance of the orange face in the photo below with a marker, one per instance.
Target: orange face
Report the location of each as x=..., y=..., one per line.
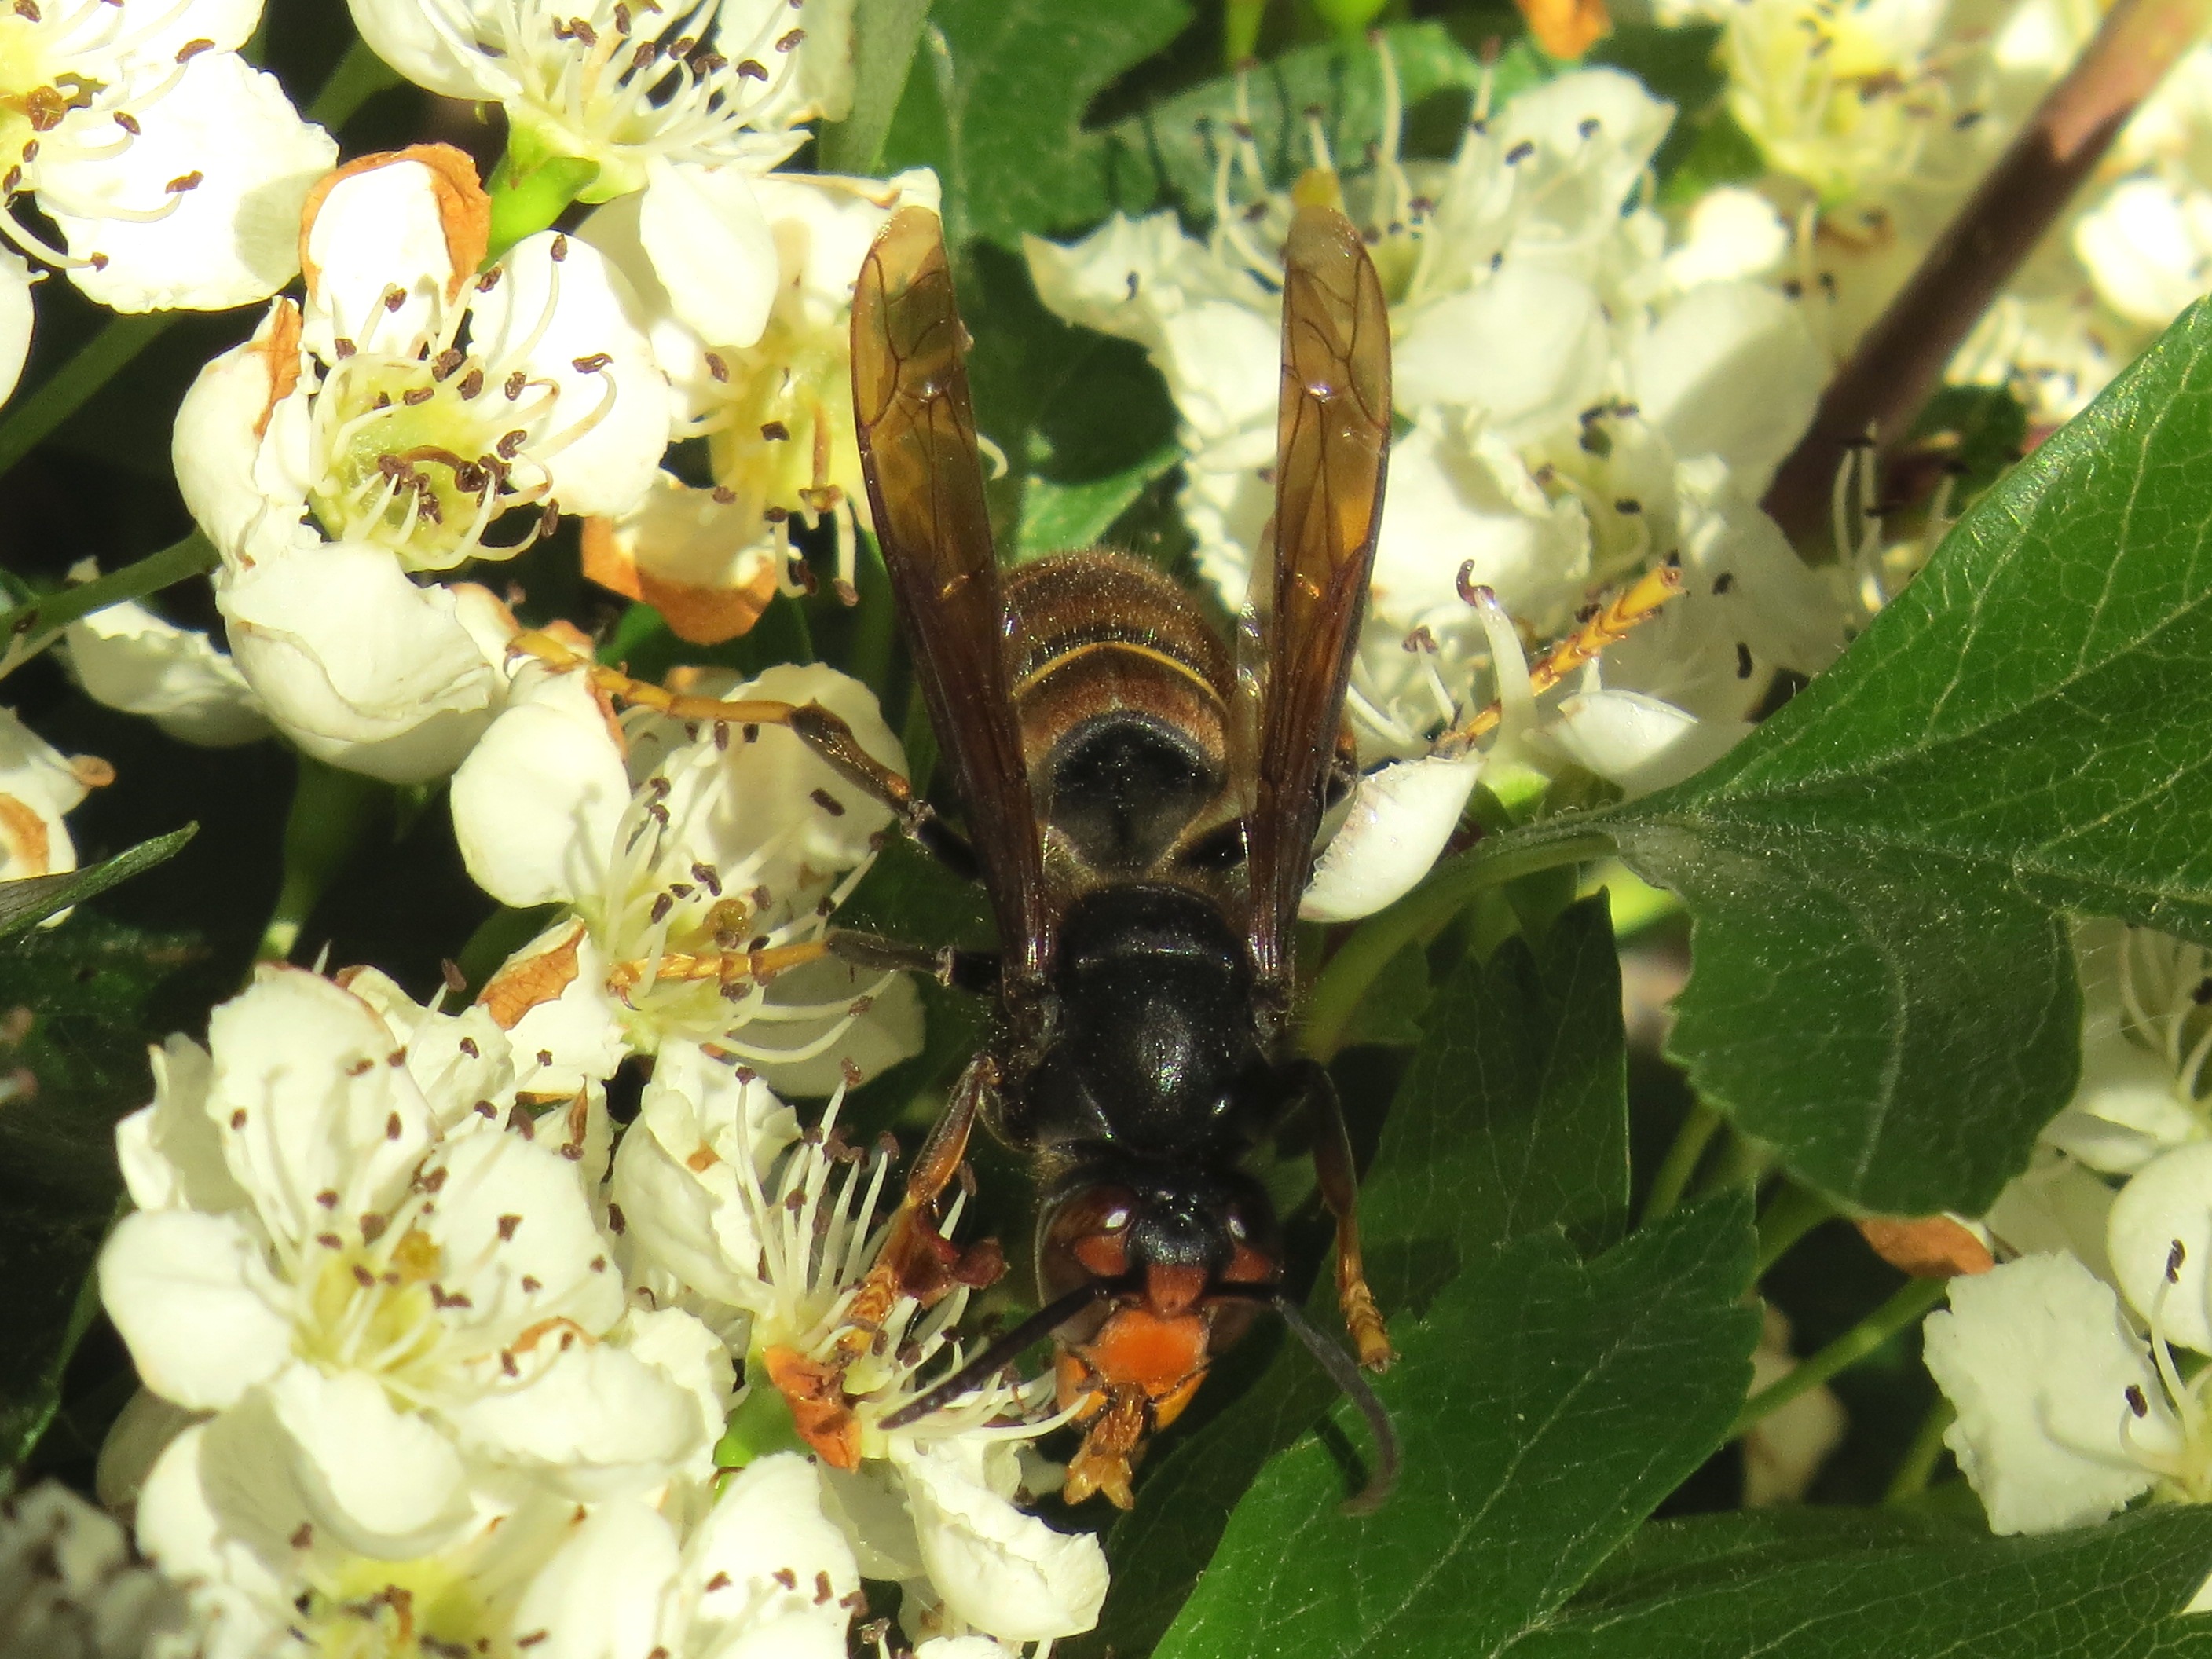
x=1138, y=1369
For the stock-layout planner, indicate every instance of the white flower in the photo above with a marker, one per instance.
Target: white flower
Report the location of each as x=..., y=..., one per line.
x=392, y=1288
x=2066, y=1412
x=412, y=404
x=768, y=386
x=173, y=169
x=758, y=1572
x=126, y=657
x=2148, y=246
x=677, y=856
x=2047, y=1379
x=1575, y=409
x=648, y=97
x=391, y=426
x=770, y=1234
x=38, y=785
x=69, y=1586
x=1855, y=100
x=996, y=1569
x=2145, y=1034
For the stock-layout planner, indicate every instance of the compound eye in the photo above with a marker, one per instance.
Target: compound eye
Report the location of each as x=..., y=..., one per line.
x=1092, y=1229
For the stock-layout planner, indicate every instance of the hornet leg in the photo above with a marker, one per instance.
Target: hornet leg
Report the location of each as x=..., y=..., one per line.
x=1340, y=1190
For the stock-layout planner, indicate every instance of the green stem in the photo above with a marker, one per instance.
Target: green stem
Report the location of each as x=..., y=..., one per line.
x=33, y=417
x=1741, y=1162
x=52, y=612
x=1921, y=1457
x=1337, y=989
x=1903, y=1308
x=528, y=194
x=332, y=812
x=1793, y=1213
x=358, y=77
x=1240, y=30
x=1681, y=1162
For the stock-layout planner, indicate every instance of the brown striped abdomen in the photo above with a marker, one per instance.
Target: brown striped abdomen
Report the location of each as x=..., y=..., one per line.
x=1121, y=688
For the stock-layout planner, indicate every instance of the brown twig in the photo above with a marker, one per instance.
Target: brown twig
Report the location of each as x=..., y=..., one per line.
x=1899, y=361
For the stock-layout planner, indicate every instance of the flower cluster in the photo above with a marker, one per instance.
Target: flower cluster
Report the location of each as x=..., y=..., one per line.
x=1581, y=406
x=1873, y=123
x=428, y=1379
x=172, y=168
x=562, y=1316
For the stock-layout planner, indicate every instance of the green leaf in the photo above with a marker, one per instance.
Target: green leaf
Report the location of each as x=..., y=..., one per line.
x=1883, y=985
x=1698, y=156
x=1511, y=1118
x=78, y=1006
x=1085, y=420
x=1681, y=65
x=27, y=902
x=911, y=895
x=1988, y=426
x=1545, y=1407
x=1390, y=1014
x=885, y=34
x=1056, y=517
x=1852, y=1582
x=1167, y=155
x=996, y=107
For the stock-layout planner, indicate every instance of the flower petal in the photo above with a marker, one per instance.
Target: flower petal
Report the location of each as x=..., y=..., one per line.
x=194, y=1299
x=16, y=317
x=602, y=1595
x=239, y=421
x=171, y=1151
x=403, y=34
x=2162, y=1221
x=561, y=312
x=517, y=1238
x=707, y=565
x=593, y=1422
x=410, y=222
x=1400, y=819
x=1640, y=743
x=1002, y=1572
x=536, y=803
x=232, y=236
x=126, y=657
x=712, y=248
x=315, y=1094
x=1731, y=370
x=2039, y=1361
x=357, y=665
x=1528, y=347
x=765, y=1559
x=384, y=1482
